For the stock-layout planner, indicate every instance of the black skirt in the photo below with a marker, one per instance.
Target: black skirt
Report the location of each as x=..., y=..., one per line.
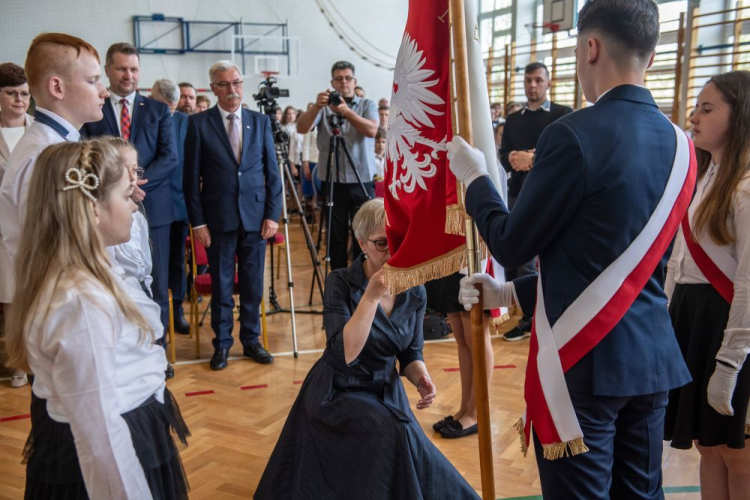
x=53, y=471
x=699, y=315
x=442, y=294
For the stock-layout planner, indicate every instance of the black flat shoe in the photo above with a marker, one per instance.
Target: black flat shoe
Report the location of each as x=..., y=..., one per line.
x=181, y=325
x=169, y=372
x=456, y=430
x=219, y=359
x=437, y=426
x=257, y=354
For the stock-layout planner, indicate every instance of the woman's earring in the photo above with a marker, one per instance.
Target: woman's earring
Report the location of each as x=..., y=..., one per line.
x=366, y=256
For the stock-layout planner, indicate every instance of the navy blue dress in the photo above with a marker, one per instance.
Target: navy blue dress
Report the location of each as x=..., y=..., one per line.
x=351, y=433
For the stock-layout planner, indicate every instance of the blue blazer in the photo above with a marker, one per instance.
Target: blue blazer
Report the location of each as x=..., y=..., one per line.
x=233, y=195
x=151, y=134
x=598, y=175
x=179, y=127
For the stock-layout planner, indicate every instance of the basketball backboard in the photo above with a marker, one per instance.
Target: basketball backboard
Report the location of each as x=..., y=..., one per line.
x=559, y=15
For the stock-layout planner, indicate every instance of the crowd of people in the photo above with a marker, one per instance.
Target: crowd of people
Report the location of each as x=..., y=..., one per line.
x=626, y=249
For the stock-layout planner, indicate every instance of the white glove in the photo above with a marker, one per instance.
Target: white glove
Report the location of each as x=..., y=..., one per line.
x=721, y=388
x=734, y=349
x=466, y=163
x=495, y=293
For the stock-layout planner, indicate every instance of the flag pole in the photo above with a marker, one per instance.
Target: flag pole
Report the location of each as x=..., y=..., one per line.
x=460, y=81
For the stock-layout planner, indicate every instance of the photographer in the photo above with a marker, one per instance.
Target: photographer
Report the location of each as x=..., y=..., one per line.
x=360, y=124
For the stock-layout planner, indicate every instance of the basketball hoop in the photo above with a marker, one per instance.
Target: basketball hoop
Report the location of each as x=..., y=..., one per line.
x=547, y=27
x=267, y=74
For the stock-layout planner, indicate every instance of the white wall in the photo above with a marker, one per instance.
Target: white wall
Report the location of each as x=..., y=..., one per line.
x=103, y=22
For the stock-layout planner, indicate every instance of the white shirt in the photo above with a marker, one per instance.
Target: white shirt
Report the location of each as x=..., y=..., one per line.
x=134, y=256
x=15, y=185
x=12, y=135
x=237, y=122
x=91, y=366
x=295, y=143
x=683, y=269
x=115, y=100
x=310, y=146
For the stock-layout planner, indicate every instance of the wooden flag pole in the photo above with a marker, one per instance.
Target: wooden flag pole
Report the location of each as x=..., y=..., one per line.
x=460, y=82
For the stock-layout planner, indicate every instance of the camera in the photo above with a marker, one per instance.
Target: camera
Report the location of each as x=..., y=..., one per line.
x=334, y=98
x=266, y=99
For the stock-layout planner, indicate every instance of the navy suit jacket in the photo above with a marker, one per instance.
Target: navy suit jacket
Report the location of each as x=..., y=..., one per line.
x=598, y=175
x=151, y=134
x=179, y=127
x=234, y=195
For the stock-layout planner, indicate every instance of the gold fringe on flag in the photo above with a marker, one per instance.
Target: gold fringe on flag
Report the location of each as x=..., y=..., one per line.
x=555, y=450
x=401, y=279
x=455, y=220
x=519, y=427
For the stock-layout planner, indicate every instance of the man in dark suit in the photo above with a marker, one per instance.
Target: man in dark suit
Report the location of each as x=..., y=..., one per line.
x=233, y=194
x=148, y=125
x=598, y=176
x=168, y=92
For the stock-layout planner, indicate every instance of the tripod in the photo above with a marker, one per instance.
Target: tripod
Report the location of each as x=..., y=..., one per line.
x=336, y=141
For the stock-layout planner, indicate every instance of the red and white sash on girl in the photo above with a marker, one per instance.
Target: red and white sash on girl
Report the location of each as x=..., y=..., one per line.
x=716, y=263
x=554, y=350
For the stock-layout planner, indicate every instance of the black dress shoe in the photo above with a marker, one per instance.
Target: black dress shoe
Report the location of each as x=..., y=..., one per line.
x=219, y=359
x=169, y=372
x=258, y=354
x=456, y=430
x=181, y=325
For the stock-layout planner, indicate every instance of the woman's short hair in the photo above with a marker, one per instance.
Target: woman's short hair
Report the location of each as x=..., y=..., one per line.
x=11, y=75
x=369, y=218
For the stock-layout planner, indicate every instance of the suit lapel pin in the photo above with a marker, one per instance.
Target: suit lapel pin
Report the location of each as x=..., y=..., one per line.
x=248, y=126
x=140, y=104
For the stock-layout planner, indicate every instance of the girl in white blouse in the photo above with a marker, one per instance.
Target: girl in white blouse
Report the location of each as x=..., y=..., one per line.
x=101, y=414
x=709, y=290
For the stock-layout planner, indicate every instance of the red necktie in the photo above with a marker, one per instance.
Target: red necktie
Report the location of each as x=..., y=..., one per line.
x=124, y=120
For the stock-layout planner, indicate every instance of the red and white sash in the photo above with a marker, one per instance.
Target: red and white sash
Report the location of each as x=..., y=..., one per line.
x=716, y=262
x=554, y=350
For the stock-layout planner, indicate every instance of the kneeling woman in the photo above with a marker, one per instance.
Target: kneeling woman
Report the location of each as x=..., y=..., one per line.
x=100, y=412
x=350, y=433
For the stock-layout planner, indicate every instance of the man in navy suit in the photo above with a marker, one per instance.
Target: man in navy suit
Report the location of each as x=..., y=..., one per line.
x=148, y=125
x=233, y=193
x=597, y=177
x=168, y=92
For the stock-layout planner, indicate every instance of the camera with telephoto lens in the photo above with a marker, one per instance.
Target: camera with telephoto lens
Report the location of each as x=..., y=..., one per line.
x=334, y=98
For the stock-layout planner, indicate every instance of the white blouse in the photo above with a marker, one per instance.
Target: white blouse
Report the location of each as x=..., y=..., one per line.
x=134, y=256
x=91, y=366
x=683, y=269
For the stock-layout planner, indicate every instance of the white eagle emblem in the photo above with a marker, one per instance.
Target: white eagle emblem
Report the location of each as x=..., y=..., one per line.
x=410, y=110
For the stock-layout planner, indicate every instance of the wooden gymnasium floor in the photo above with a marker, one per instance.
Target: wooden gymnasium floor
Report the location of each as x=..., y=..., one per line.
x=236, y=415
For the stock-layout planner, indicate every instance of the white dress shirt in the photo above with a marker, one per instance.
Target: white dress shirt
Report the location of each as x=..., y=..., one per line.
x=15, y=185
x=310, y=146
x=683, y=269
x=91, y=366
x=134, y=256
x=115, y=100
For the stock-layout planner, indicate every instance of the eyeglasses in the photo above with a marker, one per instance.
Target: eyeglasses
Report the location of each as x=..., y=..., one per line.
x=380, y=245
x=226, y=85
x=13, y=94
x=137, y=172
x=340, y=79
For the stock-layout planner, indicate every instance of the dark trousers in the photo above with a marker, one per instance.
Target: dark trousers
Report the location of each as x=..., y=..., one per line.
x=177, y=280
x=347, y=198
x=624, y=436
x=160, y=272
x=248, y=250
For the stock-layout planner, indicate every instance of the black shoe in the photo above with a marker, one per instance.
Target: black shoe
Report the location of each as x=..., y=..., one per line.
x=456, y=430
x=181, y=325
x=437, y=426
x=520, y=332
x=169, y=372
x=258, y=354
x=219, y=359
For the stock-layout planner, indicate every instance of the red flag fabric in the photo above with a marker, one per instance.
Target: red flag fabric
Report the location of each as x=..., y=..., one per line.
x=424, y=219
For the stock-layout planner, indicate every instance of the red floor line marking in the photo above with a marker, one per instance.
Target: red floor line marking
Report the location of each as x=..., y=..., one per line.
x=297, y=382
x=451, y=369
x=198, y=393
x=16, y=417
x=501, y=367
x=250, y=387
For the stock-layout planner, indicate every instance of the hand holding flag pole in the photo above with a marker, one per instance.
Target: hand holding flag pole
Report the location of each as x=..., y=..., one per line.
x=464, y=129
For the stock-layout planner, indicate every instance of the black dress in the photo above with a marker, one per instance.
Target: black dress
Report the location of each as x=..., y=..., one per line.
x=350, y=433
x=700, y=315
